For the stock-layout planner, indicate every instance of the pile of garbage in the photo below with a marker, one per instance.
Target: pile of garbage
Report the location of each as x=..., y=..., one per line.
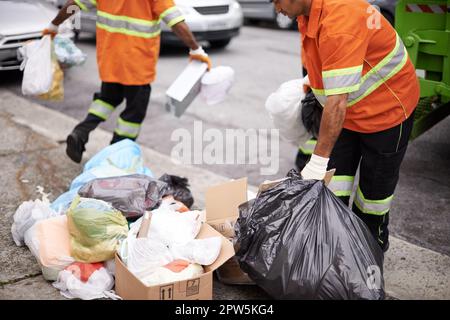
x=115, y=207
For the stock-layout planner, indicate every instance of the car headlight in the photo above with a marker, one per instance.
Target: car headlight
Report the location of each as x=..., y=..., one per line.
x=236, y=6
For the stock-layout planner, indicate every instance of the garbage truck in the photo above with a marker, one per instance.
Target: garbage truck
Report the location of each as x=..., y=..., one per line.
x=424, y=27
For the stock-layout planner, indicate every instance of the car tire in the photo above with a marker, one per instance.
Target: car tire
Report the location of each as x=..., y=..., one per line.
x=218, y=44
x=283, y=22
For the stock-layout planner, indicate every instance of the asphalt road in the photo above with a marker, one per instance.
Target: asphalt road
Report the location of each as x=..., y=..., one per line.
x=263, y=58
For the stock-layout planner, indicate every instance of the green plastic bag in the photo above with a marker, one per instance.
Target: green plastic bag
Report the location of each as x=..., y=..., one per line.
x=95, y=228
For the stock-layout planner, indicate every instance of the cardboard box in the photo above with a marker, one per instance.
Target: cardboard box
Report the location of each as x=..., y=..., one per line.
x=201, y=288
x=222, y=212
x=185, y=88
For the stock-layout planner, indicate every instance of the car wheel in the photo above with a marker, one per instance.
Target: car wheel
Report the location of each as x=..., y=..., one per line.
x=283, y=22
x=222, y=43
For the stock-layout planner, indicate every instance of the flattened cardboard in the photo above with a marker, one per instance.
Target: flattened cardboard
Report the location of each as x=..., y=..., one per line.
x=222, y=211
x=223, y=201
x=200, y=288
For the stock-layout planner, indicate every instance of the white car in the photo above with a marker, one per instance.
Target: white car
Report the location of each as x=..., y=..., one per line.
x=21, y=21
x=215, y=21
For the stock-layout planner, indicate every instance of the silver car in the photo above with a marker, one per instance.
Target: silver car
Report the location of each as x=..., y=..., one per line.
x=21, y=21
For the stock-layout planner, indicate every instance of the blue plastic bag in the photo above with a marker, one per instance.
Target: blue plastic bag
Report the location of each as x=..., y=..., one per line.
x=119, y=159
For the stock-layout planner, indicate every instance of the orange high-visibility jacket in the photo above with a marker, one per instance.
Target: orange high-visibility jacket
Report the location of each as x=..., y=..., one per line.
x=350, y=48
x=128, y=37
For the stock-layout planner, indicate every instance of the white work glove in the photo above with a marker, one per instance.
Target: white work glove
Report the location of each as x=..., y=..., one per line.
x=200, y=55
x=315, y=169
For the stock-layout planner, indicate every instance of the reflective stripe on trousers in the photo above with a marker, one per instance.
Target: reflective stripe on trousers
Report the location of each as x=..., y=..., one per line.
x=342, y=186
x=127, y=129
x=375, y=207
x=101, y=109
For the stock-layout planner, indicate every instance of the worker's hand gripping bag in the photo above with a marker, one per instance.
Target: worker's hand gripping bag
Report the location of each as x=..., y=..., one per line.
x=297, y=240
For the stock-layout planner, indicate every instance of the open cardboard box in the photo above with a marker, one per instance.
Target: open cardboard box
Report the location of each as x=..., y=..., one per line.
x=129, y=287
x=222, y=211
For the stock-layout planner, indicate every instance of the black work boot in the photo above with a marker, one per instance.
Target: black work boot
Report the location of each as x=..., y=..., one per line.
x=79, y=136
x=76, y=142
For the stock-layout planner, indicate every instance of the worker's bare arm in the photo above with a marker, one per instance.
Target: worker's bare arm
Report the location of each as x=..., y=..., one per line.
x=183, y=32
x=331, y=124
x=65, y=13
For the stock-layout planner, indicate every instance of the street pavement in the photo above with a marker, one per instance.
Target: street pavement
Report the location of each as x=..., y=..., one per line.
x=32, y=150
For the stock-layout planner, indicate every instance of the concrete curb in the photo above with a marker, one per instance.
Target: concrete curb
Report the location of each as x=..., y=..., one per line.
x=411, y=272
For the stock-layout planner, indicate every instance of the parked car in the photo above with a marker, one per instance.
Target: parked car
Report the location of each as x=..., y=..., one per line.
x=21, y=21
x=264, y=10
x=215, y=21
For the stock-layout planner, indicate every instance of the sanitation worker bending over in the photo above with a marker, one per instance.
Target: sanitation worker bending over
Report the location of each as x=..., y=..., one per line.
x=128, y=42
x=361, y=74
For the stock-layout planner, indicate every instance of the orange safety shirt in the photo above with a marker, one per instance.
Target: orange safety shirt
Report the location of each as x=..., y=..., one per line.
x=350, y=48
x=128, y=37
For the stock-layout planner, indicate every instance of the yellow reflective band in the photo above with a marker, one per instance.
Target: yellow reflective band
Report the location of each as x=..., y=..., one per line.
x=129, y=32
x=342, y=72
x=98, y=114
x=168, y=11
x=375, y=207
x=383, y=62
x=382, y=80
x=175, y=21
x=330, y=92
x=81, y=5
x=128, y=124
x=128, y=19
x=342, y=186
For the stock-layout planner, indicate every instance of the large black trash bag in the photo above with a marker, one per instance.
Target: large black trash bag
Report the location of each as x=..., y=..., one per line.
x=311, y=114
x=299, y=241
x=130, y=194
x=178, y=188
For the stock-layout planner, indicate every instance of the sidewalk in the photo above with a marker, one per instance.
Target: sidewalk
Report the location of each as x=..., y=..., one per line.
x=32, y=154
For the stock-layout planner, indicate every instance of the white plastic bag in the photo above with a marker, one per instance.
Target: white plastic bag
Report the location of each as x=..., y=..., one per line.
x=145, y=255
x=163, y=275
x=37, y=66
x=98, y=286
x=27, y=214
x=49, y=241
x=172, y=227
x=67, y=52
x=216, y=84
x=284, y=107
x=200, y=251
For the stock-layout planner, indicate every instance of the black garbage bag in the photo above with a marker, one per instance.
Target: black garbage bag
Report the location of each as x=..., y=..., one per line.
x=132, y=194
x=178, y=188
x=311, y=114
x=297, y=240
